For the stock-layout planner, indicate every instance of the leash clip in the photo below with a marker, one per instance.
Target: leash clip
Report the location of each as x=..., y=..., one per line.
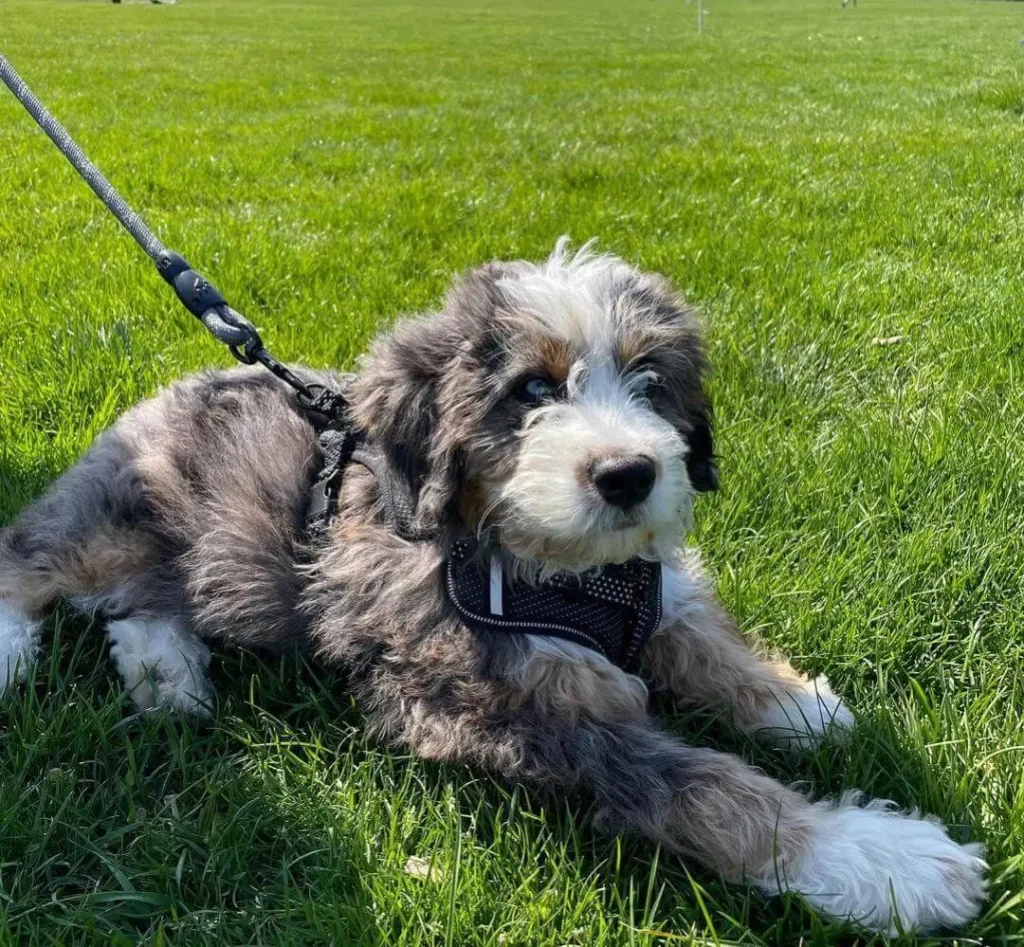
x=201, y=298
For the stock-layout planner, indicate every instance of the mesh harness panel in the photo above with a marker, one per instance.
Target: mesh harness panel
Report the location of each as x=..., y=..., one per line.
x=613, y=610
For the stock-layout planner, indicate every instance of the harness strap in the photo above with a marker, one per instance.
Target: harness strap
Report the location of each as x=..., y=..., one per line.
x=342, y=445
x=337, y=444
x=399, y=503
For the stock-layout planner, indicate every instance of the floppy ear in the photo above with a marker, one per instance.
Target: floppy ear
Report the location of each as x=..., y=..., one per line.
x=678, y=358
x=701, y=465
x=421, y=394
x=396, y=400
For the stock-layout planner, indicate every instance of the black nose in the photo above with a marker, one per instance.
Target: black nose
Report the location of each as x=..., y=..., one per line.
x=624, y=481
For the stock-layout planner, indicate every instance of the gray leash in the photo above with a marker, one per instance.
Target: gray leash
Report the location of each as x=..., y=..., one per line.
x=196, y=293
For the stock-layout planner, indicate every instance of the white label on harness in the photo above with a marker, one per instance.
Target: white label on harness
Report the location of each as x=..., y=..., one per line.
x=497, y=587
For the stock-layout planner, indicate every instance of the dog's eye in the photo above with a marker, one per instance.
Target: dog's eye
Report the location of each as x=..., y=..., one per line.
x=536, y=388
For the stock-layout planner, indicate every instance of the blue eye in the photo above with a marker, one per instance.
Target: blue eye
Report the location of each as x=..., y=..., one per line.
x=537, y=388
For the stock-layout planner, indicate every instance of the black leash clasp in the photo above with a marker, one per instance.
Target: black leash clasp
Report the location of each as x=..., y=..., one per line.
x=196, y=292
x=201, y=298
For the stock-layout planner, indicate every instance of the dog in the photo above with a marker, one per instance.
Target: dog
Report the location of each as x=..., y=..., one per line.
x=551, y=423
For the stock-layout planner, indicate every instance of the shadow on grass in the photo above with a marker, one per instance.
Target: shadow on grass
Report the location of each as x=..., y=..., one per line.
x=121, y=828
x=673, y=894
x=280, y=823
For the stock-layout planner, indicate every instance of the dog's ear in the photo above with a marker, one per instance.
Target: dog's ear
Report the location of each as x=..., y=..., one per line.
x=670, y=332
x=396, y=400
x=419, y=393
x=701, y=465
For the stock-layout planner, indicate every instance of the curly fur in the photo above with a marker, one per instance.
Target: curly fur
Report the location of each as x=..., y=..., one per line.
x=183, y=522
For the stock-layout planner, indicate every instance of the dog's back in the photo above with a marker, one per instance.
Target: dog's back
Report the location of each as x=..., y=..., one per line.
x=189, y=506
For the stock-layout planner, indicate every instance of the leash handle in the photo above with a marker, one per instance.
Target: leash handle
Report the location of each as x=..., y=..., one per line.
x=197, y=294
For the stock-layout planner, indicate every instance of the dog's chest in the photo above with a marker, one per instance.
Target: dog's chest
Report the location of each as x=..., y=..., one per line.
x=613, y=611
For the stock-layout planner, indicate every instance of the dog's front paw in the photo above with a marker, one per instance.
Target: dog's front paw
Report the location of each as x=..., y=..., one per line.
x=803, y=716
x=885, y=870
x=162, y=664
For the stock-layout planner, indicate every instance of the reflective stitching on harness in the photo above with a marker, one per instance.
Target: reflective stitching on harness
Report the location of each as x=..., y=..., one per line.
x=522, y=627
x=497, y=587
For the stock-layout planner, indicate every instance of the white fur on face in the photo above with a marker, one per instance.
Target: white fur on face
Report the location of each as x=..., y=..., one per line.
x=569, y=296
x=552, y=512
x=555, y=513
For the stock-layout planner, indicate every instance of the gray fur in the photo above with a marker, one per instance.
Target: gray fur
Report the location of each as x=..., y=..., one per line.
x=191, y=506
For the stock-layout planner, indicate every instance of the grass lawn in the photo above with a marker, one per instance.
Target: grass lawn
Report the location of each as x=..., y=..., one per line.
x=812, y=177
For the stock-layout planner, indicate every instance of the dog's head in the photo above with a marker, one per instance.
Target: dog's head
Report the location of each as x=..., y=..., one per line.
x=556, y=406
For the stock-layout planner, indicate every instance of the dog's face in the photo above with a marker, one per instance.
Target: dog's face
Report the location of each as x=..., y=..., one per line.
x=558, y=407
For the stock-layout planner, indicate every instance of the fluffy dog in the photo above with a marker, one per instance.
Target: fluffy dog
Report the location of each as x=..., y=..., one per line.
x=553, y=413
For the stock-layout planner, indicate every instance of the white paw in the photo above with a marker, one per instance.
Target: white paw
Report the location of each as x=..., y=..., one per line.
x=192, y=696
x=885, y=870
x=182, y=686
x=803, y=717
x=162, y=664
x=19, y=645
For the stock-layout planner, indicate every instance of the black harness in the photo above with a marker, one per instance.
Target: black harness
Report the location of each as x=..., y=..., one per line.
x=342, y=445
x=613, y=610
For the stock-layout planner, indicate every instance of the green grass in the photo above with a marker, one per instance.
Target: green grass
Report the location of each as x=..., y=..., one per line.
x=811, y=177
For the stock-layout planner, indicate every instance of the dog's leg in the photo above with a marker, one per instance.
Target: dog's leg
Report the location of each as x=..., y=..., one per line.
x=701, y=657
x=869, y=863
x=88, y=539
x=59, y=548
x=162, y=663
x=23, y=598
x=19, y=644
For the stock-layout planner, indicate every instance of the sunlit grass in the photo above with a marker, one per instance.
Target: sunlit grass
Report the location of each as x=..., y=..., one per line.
x=813, y=179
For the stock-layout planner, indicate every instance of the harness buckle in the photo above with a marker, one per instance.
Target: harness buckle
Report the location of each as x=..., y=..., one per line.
x=337, y=444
